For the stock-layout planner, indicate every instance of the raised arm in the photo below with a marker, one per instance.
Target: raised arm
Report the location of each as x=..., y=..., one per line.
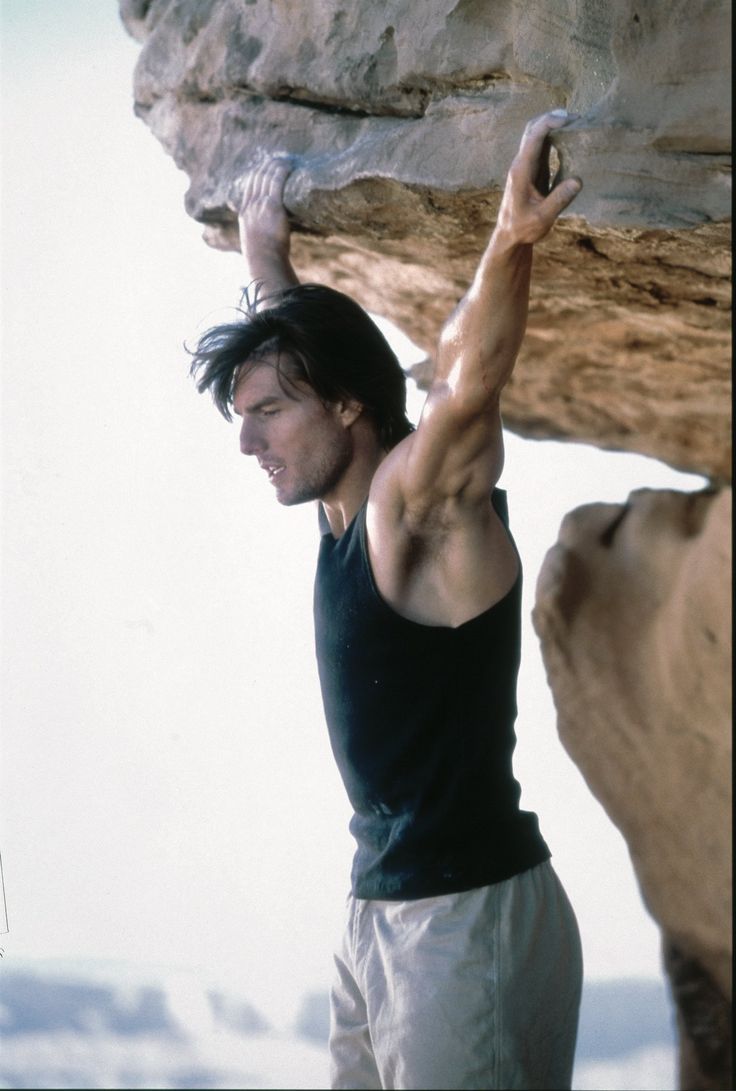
x=264, y=226
x=439, y=552
x=482, y=337
x=457, y=452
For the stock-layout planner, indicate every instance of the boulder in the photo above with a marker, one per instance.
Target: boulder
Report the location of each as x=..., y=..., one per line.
x=633, y=610
x=403, y=118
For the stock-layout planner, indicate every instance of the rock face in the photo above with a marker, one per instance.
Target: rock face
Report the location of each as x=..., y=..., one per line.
x=633, y=612
x=404, y=117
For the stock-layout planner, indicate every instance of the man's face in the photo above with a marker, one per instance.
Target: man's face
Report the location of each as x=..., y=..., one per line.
x=300, y=442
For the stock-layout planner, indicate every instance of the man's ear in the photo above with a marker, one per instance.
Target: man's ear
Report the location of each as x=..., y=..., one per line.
x=349, y=411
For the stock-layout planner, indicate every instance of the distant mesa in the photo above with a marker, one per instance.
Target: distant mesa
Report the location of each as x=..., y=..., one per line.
x=48, y=1004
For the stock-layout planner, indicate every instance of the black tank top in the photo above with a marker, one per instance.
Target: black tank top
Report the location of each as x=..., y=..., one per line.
x=421, y=722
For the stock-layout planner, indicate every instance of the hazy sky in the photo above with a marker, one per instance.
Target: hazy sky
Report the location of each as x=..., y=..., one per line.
x=168, y=791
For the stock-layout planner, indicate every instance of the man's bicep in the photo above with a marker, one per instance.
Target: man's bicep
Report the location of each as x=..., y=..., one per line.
x=456, y=453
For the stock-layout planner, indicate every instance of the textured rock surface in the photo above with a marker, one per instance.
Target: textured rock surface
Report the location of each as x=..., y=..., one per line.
x=405, y=117
x=704, y=1018
x=633, y=612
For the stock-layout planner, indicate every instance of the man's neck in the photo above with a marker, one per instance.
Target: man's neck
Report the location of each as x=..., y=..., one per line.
x=344, y=502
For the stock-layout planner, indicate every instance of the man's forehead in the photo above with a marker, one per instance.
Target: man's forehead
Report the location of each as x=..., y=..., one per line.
x=262, y=379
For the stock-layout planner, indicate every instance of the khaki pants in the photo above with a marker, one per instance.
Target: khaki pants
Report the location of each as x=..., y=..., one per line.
x=477, y=990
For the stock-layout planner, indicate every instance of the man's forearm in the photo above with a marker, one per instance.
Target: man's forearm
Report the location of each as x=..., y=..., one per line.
x=266, y=266
x=480, y=343
x=481, y=340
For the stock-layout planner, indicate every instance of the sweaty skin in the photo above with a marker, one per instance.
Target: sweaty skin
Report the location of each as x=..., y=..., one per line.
x=440, y=554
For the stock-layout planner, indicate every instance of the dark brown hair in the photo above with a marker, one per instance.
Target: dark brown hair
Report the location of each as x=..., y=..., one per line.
x=329, y=342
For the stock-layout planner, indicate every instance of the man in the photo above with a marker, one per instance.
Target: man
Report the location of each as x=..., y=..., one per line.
x=461, y=962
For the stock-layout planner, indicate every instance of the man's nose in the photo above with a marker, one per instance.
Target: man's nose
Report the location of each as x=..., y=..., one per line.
x=250, y=441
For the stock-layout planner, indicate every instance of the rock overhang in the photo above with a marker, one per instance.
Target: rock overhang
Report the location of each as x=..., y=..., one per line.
x=403, y=118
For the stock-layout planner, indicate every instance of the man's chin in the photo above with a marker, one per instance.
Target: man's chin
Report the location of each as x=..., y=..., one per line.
x=291, y=499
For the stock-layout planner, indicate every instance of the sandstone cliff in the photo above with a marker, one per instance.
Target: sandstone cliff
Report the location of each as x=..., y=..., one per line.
x=633, y=611
x=403, y=116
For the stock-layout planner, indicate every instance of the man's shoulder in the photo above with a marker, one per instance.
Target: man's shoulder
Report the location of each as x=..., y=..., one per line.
x=393, y=508
x=386, y=494
x=442, y=565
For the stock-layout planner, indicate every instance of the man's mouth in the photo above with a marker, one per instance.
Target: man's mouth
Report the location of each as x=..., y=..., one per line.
x=272, y=469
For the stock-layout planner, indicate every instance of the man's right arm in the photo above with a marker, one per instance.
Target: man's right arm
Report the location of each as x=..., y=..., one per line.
x=264, y=227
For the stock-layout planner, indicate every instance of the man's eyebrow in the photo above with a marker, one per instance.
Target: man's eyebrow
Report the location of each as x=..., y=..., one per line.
x=272, y=399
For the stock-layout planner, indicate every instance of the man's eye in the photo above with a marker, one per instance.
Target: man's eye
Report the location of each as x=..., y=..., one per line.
x=269, y=412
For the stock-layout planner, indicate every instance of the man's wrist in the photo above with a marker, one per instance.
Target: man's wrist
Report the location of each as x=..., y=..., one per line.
x=506, y=244
x=262, y=246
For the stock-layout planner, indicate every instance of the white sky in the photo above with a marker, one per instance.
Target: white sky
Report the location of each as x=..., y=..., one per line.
x=168, y=791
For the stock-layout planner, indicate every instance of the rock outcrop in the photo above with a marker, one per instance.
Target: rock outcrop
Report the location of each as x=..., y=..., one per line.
x=634, y=614
x=402, y=117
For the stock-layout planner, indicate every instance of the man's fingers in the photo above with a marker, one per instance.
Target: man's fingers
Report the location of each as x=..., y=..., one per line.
x=276, y=174
x=561, y=196
x=248, y=185
x=536, y=132
x=260, y=179
x=266, y=178
x=269, y=177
